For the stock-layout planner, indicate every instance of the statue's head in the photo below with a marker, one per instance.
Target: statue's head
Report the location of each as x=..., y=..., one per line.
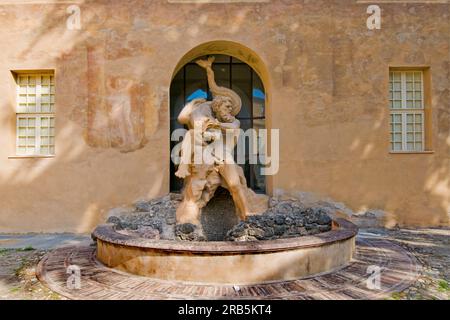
x=223, y=107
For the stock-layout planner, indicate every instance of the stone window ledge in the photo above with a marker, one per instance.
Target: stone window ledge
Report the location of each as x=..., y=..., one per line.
x=31, y=157
x=411, y=152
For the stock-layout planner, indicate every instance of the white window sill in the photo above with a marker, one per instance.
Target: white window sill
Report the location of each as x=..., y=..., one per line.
x=411, y=152
x=37, y=156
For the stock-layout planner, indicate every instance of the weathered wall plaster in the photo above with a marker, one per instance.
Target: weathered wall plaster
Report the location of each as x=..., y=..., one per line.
x=325, y=73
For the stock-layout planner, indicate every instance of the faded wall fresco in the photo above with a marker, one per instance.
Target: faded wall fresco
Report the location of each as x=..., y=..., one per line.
x=116, y=107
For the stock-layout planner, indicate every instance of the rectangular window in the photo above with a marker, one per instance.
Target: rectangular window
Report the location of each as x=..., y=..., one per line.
x=35, y=114
x=407, y=110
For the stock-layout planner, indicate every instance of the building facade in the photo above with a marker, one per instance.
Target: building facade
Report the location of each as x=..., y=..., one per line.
x=363, y=111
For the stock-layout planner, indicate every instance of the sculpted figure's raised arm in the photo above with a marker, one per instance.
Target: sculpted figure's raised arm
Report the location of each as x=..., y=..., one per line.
x=208, y=122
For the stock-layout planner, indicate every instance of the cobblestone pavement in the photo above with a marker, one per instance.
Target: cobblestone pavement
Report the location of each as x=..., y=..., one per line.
x=430, y=246
x=19, y=256
x=18, y=278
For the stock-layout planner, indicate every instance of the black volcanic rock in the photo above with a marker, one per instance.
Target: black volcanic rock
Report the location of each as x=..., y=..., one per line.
x=156, y=219
x=283, y=220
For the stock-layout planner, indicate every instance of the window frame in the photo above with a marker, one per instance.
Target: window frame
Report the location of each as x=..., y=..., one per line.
x=38, y=115
x=403, y=111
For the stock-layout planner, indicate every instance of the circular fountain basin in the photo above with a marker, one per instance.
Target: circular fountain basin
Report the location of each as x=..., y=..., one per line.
x=228, y=262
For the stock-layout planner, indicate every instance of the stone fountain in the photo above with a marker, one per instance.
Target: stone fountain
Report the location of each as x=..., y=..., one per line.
x=219, y=230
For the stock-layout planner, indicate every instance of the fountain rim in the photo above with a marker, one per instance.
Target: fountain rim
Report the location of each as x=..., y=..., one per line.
x=342, y=230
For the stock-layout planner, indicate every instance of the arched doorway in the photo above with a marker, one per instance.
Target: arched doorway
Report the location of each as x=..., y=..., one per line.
x=235, y=67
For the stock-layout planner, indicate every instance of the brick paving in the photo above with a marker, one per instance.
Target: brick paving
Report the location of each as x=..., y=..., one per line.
x=399, y=270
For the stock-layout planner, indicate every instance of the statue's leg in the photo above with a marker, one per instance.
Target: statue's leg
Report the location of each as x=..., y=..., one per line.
x=186, y=155
x=230, y=174
x=189, y=209
x=213, y=181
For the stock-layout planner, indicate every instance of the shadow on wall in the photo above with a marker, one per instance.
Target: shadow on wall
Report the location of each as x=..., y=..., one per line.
x=107, y=105
x=387, y=189
x=414, y=189
x=342, y=132
x=91, y=171
x=112, y=113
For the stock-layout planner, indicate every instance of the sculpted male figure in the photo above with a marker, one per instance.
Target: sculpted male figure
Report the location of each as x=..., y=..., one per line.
x=203, y=128
x=212, y=119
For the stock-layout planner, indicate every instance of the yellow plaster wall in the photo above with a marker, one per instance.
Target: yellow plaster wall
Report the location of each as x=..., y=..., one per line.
x=325, y=74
